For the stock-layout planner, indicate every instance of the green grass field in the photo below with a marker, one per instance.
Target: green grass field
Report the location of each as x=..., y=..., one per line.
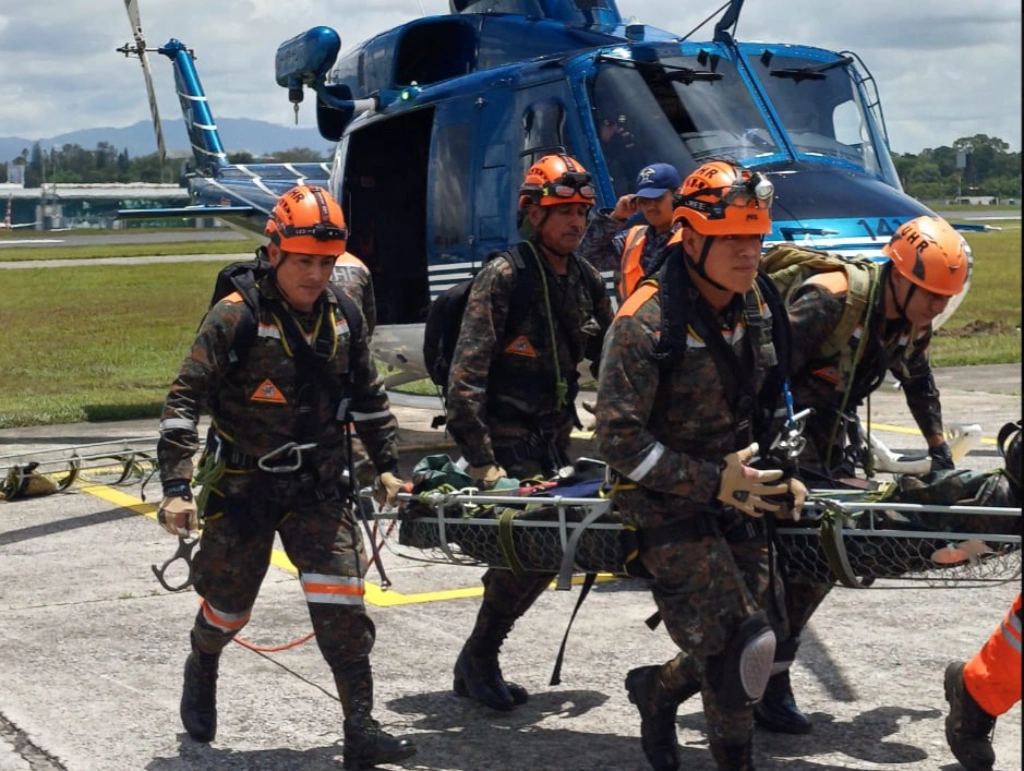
x=94, y=343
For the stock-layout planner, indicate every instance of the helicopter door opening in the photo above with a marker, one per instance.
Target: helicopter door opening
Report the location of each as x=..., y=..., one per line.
x=385, y=202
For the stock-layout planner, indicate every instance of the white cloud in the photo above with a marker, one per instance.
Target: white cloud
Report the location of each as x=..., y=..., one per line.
x=944, y=69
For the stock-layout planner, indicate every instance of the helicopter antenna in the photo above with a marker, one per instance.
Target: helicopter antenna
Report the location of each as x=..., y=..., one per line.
x=139, y=49
x=714, y=13
x=423, y=11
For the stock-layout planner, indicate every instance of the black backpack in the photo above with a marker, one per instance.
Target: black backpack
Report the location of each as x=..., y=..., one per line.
x=444, y=319
x=244, y=277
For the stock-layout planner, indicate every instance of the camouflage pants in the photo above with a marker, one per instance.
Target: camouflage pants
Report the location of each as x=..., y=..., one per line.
x=320, y=537
x=705, y=588
x=506, y=596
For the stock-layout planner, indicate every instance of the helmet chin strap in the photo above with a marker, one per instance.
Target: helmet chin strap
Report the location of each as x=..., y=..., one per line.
x=901, y=308
x=698, y=267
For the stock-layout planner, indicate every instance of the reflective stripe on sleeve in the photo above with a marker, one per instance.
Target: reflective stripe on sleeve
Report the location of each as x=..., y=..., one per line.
x=362, y=417
x=172, y=424
x=1011, y=631
x=332, y=590
x=225, y=622
x=647, y=463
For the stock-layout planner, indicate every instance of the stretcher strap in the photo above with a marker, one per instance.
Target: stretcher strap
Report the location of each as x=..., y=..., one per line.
x=831, y=535
x=569, y=557
x=507, y=544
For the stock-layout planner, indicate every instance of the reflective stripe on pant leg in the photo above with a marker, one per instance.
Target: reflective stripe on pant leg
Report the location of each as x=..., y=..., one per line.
x=332, y=590
x=993, y=676
x=322, y=540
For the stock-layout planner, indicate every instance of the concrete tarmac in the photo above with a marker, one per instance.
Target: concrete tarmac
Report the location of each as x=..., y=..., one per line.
x=91, y=648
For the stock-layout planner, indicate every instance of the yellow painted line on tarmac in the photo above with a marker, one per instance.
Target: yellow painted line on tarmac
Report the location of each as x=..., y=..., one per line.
x=914, y=431
x=375, y=595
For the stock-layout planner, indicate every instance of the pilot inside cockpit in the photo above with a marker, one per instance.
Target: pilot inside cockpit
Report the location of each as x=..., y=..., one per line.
x=621, y=151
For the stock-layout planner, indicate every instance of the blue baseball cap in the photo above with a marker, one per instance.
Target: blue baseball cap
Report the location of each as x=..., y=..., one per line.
x=654, y=180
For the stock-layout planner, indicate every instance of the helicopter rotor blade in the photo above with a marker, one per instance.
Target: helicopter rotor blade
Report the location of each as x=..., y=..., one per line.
x=132, y=6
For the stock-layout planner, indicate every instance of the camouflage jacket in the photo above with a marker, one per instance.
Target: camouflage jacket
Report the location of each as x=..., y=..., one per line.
x=896, y=346
x=668, y=432
x=505, y=378
x=254, y=402
x=355, y=280
x=605, y=240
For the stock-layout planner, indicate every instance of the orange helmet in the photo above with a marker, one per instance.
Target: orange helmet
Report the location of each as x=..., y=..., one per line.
x=930, y=253
x=307, y=220
x=723, y=199
x=557, y=179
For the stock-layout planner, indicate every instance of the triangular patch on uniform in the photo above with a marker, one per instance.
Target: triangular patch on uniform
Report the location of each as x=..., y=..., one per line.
x=521, y=347
x=268, y=392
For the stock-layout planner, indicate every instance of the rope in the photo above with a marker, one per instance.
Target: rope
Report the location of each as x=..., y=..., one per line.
x=865, y=332
x=561, y=387
x=306, y=638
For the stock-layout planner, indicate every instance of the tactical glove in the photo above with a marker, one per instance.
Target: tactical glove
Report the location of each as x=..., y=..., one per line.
x=177, y=514
x=942, y=457
x=386, y=490
x=746, y=488
x=487, y=476
x=792, y=501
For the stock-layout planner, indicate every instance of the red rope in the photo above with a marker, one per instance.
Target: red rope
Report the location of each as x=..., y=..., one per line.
x=306, y=638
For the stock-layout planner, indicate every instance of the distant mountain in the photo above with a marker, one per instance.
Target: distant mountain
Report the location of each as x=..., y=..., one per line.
x=238, y=134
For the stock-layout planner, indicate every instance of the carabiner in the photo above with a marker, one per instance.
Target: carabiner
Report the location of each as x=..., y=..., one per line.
x=185, y=548
x=290, y=448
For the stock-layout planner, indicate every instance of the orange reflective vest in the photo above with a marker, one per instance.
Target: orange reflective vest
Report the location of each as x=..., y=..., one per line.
x=631, y=272
x=993, y=676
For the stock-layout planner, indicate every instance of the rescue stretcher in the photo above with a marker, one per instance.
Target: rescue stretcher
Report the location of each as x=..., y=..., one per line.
x=849, y=536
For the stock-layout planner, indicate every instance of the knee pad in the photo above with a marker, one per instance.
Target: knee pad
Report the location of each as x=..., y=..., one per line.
x=740, y=673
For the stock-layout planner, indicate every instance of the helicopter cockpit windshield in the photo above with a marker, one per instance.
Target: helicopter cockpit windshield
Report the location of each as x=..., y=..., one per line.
x=676, y=109
x=821, y=109
x=686, y=109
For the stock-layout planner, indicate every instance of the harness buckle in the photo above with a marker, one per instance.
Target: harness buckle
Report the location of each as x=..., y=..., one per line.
x=293, y=449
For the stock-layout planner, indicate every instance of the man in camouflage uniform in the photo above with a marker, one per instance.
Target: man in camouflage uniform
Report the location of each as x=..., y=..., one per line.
x=928, y=265
x=690, y=378
x=351, y=275
x=354, y=278
x=513, y=384
x=634, y=252
x=281, y=380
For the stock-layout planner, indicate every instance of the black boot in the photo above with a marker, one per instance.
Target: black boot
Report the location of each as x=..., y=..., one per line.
x=733, y=757
x=199, y=695
x=477, y=673
x=658, y=706
x=366, y=744
x=968, y=726
x=777, y=711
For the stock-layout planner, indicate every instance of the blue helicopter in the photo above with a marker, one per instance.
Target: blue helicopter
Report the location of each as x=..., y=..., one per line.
x=437, y=120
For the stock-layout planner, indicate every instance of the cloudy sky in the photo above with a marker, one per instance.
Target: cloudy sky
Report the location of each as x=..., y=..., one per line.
x=945, y=68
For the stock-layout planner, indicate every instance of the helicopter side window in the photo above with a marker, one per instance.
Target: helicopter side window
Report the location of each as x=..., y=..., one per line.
x=543, y=131
x=453, y=144
x=417, y=59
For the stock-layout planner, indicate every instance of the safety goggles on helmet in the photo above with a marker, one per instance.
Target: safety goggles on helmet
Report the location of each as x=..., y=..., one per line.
x=754, y=192
x=570, y=185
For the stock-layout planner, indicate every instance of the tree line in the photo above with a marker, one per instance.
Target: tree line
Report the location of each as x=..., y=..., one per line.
x=978, y=165
x=73, y=164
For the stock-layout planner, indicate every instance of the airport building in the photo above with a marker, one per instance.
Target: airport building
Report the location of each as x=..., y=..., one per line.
x=55, y=206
